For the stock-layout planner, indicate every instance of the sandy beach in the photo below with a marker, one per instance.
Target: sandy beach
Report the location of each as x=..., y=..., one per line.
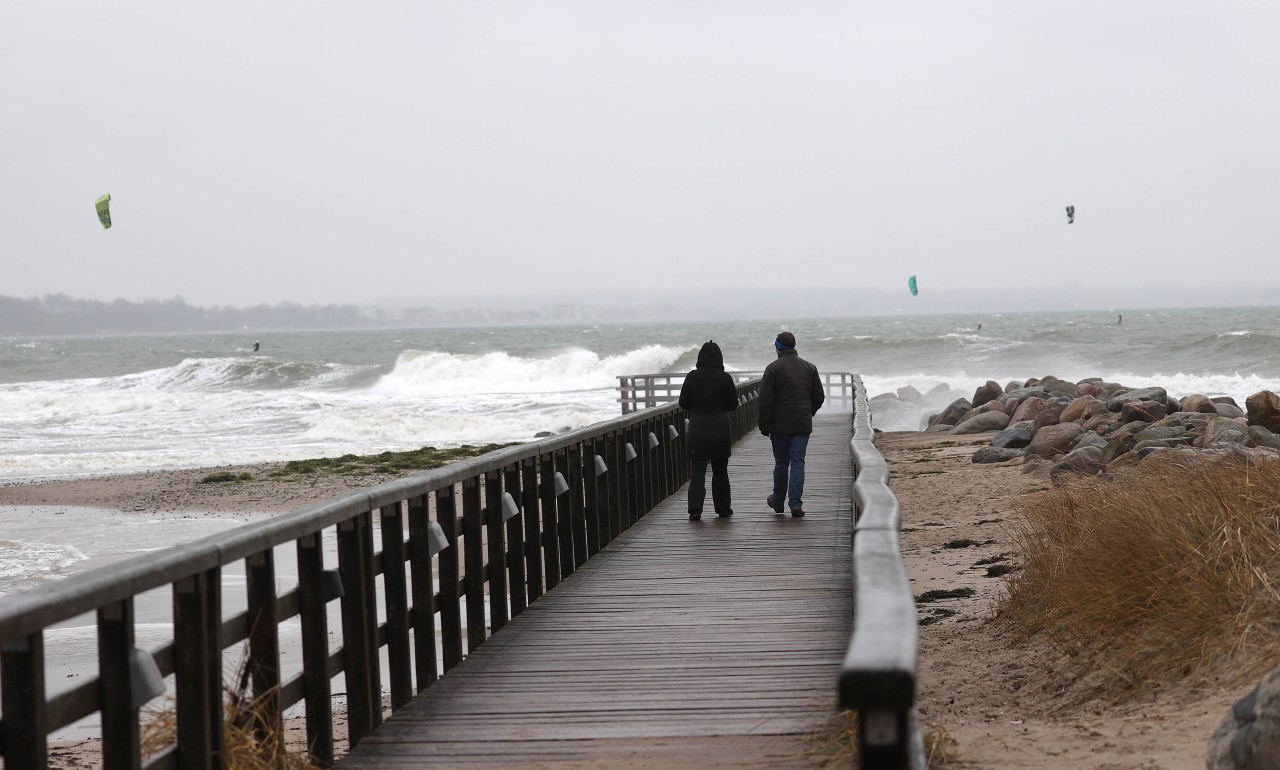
x=999, y=705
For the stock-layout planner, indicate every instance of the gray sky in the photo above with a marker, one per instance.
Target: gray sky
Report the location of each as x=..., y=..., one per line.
x=350, y=152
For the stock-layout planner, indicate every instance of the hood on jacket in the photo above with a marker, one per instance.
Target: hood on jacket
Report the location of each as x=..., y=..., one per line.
x=710, y=357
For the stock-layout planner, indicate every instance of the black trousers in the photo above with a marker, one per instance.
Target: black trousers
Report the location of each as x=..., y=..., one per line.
x=719, y=484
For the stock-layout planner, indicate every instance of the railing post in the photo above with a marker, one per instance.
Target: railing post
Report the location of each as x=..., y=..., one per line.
x=496, y=539
x=120, y=735
x=264, y=641
x=473, y=557
x=197, y=662
x=549, y=537
x=450, y=605
x=355, y=639
x=22, y=698
x=515, y=543
x=315, y=650
x=593, y=488
x=564, y=518
x=577, y=514
x=399, y=665
x=532, y=527
x=423, y=611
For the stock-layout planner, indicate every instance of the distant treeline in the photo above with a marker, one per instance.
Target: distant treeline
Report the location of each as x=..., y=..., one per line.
x=60, y=314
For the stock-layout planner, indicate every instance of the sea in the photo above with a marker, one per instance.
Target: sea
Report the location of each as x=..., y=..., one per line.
x=75, y=406
x=114, y=404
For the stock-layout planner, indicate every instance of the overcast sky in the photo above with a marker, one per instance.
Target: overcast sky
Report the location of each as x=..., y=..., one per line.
x=350, y=152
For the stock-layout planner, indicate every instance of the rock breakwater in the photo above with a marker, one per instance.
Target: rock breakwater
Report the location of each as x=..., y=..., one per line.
x=1094, y=427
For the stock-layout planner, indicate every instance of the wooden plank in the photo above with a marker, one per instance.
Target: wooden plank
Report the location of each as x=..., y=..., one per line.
x=676, y=634
x=423, y=611
x=515, y=544
x=473, y=556
x=393, y=585
x=22, y=684
x=450, y=604
x=120, y=734
x=495, y=538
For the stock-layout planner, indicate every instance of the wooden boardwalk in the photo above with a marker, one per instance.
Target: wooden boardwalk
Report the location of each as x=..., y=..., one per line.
x=682, y=644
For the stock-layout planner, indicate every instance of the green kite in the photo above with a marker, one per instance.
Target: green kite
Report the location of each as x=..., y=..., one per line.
x=104, y=211
x=911, y=284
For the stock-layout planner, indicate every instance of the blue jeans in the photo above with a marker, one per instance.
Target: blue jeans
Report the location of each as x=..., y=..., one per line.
x=789, y=451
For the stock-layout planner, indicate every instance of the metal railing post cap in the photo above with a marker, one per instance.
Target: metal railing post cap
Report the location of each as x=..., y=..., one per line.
x=561, y=486
x=653, y=440
x=631, y=452
x=436, y=539
x=601, y=468
x=509, y=507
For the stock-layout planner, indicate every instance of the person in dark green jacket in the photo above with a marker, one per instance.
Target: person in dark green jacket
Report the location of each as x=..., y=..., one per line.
x=790, y=395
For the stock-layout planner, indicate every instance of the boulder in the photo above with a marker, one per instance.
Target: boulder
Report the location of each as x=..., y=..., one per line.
x=1142, y=411
x=1248, y=738
x=1011, y=438
x=909, y=394
x=941, y=389
x=1049, y=415
x=1263, y=409
x=1229, y=410
x=1023, y=393
x=981, y=424
x=1197, y=403
x=941, y=427
x=991, y=454
x=1160, y=432
x=1014, y=385
x=1087, y=388
x=1089, y=438
x=986, y=392
x=1117, y=402
x=1226, y=430
x=1102, y=424
x=1260, y=436
x=1054, y=439
x=1029, y=409
x=883, y=397
x=952, y=414
x=1084, y=406
x=1225, y=400
x=1120, y=441
x=1057, y=387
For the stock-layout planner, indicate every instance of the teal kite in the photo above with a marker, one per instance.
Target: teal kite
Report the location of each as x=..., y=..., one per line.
x=911, y=284
x=104, y=211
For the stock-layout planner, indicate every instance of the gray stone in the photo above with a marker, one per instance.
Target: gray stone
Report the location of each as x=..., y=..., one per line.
x=1197, y=403
x=1160, y=432
x=952, y=414
x=1225, y=400
x=1079, y=408
x=1054, y=439
x=991, y=454
x=1022, y=393
x=1117, y=402
x=1260, y=436
x=1030, y=408
x=986, y=392
x=1089, y=438
x=1014, y=385
x=1142, y=411
x=1011, y=438
x=1229, y=410
x=1226, y=430
x=941, y=427
x=909, y=394
x=981, y=424
x=1051, y=413
x=1248, y=738
x=1263, y=408
x=1059, y=387
x=883, y=397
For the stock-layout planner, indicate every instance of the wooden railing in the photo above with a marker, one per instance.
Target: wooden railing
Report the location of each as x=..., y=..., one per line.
x=499, y=530
x=645, y=391
x=878, y=677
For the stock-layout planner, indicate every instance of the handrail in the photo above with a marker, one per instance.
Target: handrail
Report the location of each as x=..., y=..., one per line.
x=645, y=391
x=878, y=676
x=572, y=493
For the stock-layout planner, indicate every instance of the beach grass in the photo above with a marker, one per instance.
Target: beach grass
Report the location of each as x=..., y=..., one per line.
x=1169, y=570
x=426, y=458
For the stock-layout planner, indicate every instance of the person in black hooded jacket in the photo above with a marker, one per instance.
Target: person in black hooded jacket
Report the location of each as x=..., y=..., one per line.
x=708, y=393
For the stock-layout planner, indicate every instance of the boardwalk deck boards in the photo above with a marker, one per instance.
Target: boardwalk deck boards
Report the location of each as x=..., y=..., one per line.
x=718, y=638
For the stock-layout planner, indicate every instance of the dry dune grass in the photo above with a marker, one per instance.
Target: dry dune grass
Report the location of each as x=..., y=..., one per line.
x=1167, y=571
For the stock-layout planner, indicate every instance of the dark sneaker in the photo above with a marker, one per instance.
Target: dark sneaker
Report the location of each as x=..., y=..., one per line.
x=796, y=513
x=774, y=503
x=695, y=516
x=725, y=515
